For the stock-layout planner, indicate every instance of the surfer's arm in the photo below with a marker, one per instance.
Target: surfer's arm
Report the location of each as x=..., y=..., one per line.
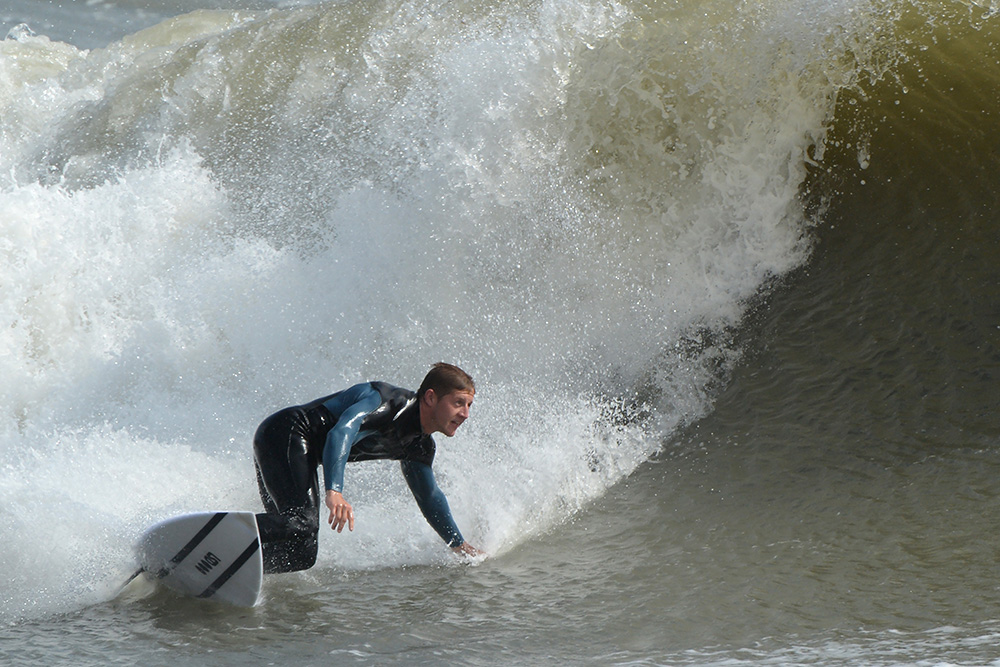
x=433, y=504
x=349, y=408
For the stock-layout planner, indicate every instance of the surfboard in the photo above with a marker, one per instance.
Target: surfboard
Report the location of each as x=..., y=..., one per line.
x=212, y=555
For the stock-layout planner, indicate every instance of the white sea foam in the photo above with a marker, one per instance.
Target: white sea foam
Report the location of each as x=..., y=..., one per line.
x=226, y=214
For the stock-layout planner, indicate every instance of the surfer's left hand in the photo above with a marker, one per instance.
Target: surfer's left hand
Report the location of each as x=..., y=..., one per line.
x=341, y=512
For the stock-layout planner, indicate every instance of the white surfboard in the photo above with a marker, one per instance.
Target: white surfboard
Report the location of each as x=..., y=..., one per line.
x=214, y=555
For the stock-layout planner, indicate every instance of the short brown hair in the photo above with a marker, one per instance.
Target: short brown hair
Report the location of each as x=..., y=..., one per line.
x=444, y=379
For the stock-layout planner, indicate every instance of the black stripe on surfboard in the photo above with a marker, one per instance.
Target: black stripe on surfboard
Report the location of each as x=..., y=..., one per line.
x=232, y=569
x=192, y=544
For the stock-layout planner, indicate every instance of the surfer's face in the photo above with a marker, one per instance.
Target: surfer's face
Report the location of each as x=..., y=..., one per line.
x=446, y=413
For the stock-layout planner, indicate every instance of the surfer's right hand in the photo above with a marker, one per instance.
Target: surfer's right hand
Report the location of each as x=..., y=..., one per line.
x=341, y=512
x=467, y=550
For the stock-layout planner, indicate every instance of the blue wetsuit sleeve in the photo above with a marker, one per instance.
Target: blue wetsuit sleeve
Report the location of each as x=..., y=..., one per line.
x=431, y=500
x=349, y=408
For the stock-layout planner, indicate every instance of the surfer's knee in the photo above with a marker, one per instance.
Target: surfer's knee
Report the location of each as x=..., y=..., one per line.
x=306, y=556
x=303, y=523
x=290, y=540
x=289, y=556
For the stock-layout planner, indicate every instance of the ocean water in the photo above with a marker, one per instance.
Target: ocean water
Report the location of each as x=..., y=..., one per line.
x=727, y=275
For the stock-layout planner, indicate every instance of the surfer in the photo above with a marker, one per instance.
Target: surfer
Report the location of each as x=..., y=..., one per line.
x=372, y=420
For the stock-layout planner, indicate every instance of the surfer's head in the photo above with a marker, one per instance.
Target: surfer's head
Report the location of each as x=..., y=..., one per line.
x=445, y=396
x=444, y=379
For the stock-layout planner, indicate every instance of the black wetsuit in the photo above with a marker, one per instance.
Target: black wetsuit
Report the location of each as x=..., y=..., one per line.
x=368, y=421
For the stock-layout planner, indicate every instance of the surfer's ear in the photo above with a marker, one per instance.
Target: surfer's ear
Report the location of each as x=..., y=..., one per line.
x=429, y=397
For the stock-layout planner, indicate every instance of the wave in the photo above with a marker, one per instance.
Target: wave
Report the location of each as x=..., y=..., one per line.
x=578, y=201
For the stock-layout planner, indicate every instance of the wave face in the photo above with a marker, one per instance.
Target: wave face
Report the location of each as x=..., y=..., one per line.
x=580, y=202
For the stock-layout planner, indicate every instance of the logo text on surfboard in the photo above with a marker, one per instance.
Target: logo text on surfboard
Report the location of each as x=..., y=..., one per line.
x=208, y=561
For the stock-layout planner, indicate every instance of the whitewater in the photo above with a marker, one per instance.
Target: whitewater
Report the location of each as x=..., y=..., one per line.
x=724, y=274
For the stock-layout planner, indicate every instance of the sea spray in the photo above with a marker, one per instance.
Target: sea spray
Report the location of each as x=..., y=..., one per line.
x=229, y=213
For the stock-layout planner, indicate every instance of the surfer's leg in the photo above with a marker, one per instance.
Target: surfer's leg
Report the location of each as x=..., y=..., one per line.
x=289, y=488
